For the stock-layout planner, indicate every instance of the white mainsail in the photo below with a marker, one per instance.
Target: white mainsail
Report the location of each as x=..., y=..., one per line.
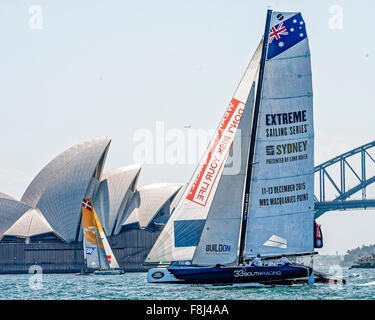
x=281, y=213
x=179, y=238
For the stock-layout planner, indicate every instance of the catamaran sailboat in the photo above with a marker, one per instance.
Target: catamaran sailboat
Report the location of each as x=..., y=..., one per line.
x=99, y=258
x=264, y=204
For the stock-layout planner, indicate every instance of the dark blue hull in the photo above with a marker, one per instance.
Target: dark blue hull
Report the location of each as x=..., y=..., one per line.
x=230, y=275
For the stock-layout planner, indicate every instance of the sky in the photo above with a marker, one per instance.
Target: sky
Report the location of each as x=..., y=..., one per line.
x=71, y=71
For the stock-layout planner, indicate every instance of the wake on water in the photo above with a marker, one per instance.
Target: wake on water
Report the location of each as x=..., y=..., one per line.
x=371, y=283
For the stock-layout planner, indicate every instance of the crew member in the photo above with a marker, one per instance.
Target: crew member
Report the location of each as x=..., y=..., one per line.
x=283, y=261
x=257, y=261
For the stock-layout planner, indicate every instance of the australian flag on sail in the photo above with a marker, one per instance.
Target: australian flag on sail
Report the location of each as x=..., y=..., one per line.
x=285, y=34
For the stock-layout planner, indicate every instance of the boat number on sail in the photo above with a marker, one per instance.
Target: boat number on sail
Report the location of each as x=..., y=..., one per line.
x=217, y=155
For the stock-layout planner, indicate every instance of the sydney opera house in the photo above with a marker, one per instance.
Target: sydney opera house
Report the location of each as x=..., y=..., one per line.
x=44, y=227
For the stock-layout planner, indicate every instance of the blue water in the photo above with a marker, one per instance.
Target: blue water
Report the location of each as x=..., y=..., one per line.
x=360, y=285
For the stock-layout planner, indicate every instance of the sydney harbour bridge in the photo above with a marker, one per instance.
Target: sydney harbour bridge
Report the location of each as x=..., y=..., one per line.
x=341, y=183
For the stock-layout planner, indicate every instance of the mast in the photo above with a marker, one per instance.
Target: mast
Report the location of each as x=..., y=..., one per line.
x=250, y=160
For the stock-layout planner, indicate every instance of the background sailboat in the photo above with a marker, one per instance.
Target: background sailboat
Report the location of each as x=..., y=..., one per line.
x=99, y=257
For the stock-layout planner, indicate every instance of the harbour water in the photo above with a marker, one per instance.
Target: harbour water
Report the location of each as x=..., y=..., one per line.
x=133, y=286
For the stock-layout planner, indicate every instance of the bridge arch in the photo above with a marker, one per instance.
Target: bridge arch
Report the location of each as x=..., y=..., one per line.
x=339, y=182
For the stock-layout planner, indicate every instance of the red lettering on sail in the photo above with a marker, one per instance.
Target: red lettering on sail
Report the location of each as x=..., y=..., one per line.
x=205, y=180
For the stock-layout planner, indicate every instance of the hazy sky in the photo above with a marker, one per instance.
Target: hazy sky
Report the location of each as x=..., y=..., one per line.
x=74, y=70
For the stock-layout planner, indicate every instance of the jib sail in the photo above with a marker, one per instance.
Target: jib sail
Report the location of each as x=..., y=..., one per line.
x=207, y=204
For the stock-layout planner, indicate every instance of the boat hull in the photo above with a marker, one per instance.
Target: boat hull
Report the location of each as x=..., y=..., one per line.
x=109, y=272
x=229, y=275
x=85, y=272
